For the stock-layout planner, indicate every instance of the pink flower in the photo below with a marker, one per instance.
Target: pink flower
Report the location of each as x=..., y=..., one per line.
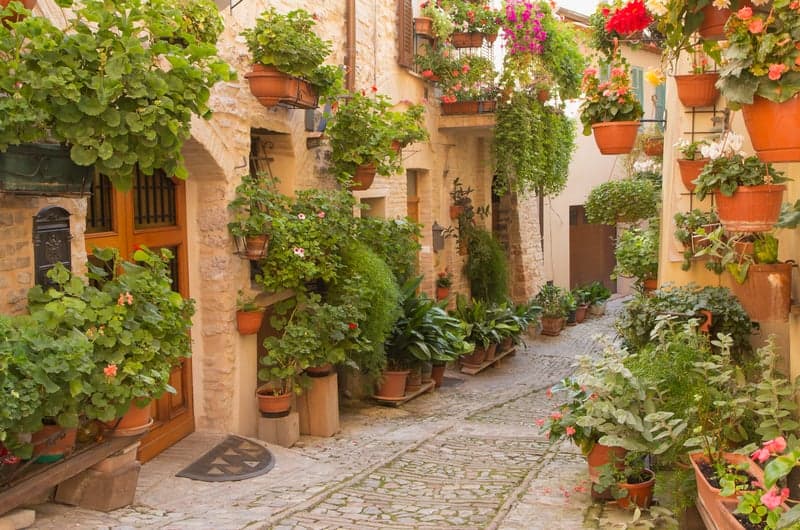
x=776, y=70
x=301, y=216
x=745, y=13
x=772, y=499
x=540, y=422
x=617, y=72
x=556, y=415
x=590, y=72
x=570, y=430
x=125, y=298
x=299, y=251
x=778, y=445
x=756, y=25
x=465, y=68
x=760, y=455
x=427, y=74
x=110, y=370
x=321, y=215
x=549, y=393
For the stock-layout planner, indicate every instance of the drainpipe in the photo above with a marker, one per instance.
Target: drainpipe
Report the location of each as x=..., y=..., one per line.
x=350, y=52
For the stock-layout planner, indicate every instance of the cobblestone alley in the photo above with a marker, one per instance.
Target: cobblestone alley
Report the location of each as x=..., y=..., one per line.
x=467, y=456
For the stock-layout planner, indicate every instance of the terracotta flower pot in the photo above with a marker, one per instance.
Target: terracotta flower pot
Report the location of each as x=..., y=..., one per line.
x=713, y=25
x=442, y=293
x=697, y=90
x=552, y=326
x=52, y=443
x=460, y=107
x=461, y=39
x=249, y=322
x=491, y=352
x=319, y=371
x=705, y=325
x=774, y=128
x=256, y=246
x=414, y=380
x=476, y=358
x=690, y=170
x=423, y=26
x=365, y=175
x=654, y=147
x=580, y=313
x=271, y=405
x=437, y=374
x=601, y=455
x=393, y=384
x=650, y=285
x=543, y=94
x=456, y=210
x=709, y=498
x=272, y=87
x=615, y=137
x=766, y=293
x=750, y=208
x=640, y=494
x=136, y=420
x=28, y=4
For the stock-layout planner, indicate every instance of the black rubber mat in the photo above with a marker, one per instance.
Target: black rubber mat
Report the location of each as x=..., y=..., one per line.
x=234, y=458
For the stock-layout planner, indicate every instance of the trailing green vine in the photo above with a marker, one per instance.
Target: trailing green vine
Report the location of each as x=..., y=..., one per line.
x=533, y=146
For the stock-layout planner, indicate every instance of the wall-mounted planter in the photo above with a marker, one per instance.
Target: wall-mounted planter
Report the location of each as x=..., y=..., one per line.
x=423, y=26
x=272, y=88
x=774, y=128
x=690, y=170
x=697, y=90
x=365, y=175
x=466, y=40
x=468, y=107
x=42, y=169
x=750, y=208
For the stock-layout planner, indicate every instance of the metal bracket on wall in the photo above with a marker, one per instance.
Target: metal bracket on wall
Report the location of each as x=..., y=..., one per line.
x=235, y=3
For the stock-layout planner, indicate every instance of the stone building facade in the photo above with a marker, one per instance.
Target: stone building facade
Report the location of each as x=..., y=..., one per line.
x=224, y=363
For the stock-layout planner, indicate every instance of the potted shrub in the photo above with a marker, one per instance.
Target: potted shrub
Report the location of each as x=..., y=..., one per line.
x=472, y=23
x=633, y=484
x=582, y=299
x=249, y=314
x=434, y=21
x=692, y=161
x=746, y=190
x=598, y=295
x=253, y=208
x=622, y=201
x=759, y=75
x=552, y=301
x=481, y=332
x=460, y=199
x=288, y=61
x=145, y=57
x=610, y=109
x=361, y=133
x=443, y=282
x=636, y=253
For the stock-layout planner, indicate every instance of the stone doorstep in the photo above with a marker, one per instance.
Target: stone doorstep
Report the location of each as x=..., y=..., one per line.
x=118, y=460
x=17, y=519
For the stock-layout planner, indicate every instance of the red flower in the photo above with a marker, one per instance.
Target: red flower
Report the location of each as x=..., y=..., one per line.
x=427, y=74
x=570, y=430
x=137, y=247
x=374, y=88
x=629, y=19
x=756, y=26
x=352, y=325
x=744, y=13
x=110, y=370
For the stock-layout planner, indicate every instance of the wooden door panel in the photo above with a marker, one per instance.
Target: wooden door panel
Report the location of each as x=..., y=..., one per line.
x=591, y=251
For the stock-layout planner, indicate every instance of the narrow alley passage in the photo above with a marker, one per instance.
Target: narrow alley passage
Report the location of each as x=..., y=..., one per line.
x=466, y=456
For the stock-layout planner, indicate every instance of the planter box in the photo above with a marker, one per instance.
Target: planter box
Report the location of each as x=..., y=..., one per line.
x=42, y=169
x=709, y=501
x=468, y=107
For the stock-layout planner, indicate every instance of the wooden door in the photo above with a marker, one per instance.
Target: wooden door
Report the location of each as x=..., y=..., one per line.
x=591, y=251
x=152, y=214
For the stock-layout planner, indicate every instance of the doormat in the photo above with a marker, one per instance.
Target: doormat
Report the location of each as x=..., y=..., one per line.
x=234, y=458
x=451, y=381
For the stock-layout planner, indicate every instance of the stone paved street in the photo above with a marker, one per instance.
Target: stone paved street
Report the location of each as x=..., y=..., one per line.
x=466, y=456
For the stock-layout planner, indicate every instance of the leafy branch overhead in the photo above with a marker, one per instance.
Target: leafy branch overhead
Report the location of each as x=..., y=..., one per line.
x=119, y=84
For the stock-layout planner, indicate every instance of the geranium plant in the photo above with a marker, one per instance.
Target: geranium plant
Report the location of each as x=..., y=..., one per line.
x=762, y=57
x=616, y=21
x=611, y=100
x=128, y=72
x=442, y=21
x=288, y=43
x=469, y=17
x=728, y=168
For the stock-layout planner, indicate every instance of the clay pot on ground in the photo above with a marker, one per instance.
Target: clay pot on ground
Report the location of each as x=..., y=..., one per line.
x=601, y=455
x=697, y=90
x=271, y=405
x=708, y=497
x=476, y=358
x=639, y=493
x=598, y=309
x=393, y=384
x=774, y=128
x=249, y=322
x=552, y=326
x=437, y=373
x=750, y=208
x=615, y=137
x=414, y=380
x=766, y=293
x=136, y=420
x=319, y=371
x=491, y=352
x=580, y=313
x=427, y=372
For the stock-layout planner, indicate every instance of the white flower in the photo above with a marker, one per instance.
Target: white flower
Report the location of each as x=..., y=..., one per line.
x=647, y=165
x=728, y=144
x=721, y=4
x=299, y=251
x=657, y=7
x=758, y=2
x=301, y=216
x=680, y=144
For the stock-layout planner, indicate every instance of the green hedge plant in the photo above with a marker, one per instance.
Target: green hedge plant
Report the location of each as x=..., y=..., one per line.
x=622, y=201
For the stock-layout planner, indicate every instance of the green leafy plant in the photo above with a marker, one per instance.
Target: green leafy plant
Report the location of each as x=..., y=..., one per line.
x=690, y=229
x=692, y=150
x=470, y=17
x=533, y=146
x=480, y=328
x=246, y=303
x=622, y=201
x=117, y=77
x=288, y=43
x=637, y=253
x=396, y=241
x=442, y=24
x=761, y=56
x=444, y=279
x=598, y=293
x=362, y=130
x=486, y=267
x=256, y=199
x=552, y=299
x=728, y=168
x=729, y=253
x=608, y=101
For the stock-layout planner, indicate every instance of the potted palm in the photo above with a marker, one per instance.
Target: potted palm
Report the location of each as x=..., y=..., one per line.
x=288, y=60
x=610, y=109
x=137, y=48
x=760, y=76
x=747, y=191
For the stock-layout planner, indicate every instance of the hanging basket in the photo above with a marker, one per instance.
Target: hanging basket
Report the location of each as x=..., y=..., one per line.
x=42, y=169
x=654, y=146
x=750, y=208
x=615, y=137
x=690, y=170
x=774, y=128
x=697, y=90
x=713, y=25
x=423, y=26
x=249, y=322
x=272, y=87
x=466, y=40
x=365, y=175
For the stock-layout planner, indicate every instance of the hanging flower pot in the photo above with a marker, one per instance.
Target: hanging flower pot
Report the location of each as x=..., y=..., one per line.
x=697, y=90
x=456, y=210
x=774, y=128
x=615, y=137
x=271, y=405
x=543, y=94
x=249, y=322
x=690, y=170
x=365, y=175
x=713, y=25
x=423, y=26
x=255, y=247
x=466, y=40
x=442, y=293
x=750, y=208
x=437, y=373
x=654, y=146
x=272, y=87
